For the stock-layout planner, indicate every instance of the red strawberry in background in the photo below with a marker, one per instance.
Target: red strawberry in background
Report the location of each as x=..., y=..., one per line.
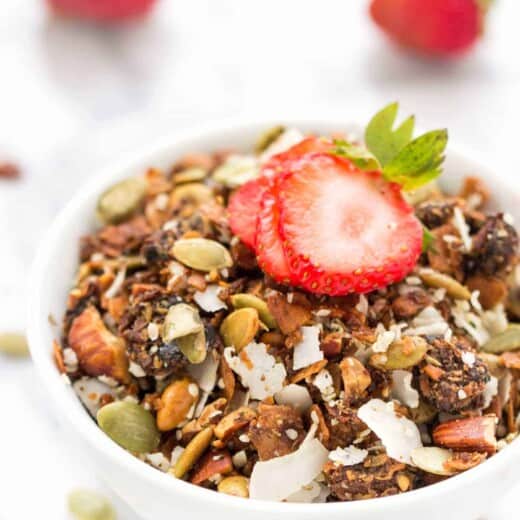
x=102, y=10
x=434, y=27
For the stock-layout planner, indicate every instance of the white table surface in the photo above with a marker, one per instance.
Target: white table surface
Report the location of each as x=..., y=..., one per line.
x=73, y=97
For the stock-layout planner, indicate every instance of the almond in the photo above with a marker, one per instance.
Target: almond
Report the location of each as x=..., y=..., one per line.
x=470, y=434
x=356, y=378
x=213, y=463
x=99, y=351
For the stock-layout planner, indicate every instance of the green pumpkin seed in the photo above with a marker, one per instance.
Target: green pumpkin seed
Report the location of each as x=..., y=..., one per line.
x=196, y=447
x=505, y=341
x=268, y=137
x=181, y=320
x=423, y=414
x=202, y=254
x=121, y=200
x=190, y=175
x=432, y=460
x=84, y=504
x=240, y=328
x=443, y=281
x=130, y=425
x=13, y=344
x=237, y=170
x=401, y=354
x=194, y=347
x=242, y=300
x=194, y=192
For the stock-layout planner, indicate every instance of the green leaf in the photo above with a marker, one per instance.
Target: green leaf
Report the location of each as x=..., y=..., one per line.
x=427, y=239
x=358, y=154
x=419, y=162
x=384, y=142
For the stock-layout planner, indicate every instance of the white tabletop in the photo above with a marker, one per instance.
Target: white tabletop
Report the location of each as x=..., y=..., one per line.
x=73, y=97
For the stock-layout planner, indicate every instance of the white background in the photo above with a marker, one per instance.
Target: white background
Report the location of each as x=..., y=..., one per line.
x=73, y=97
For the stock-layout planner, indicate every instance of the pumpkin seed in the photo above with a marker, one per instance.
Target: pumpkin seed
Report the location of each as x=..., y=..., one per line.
x=241, y=300
x=192, y=192
x=202, y=254
x=121, y=200
x=240, y=328
x=401, y=354
x=190, y=175
x=237, y=170
x=130, y=425
x=432, y=460
x=443, y=281
x=268, y=137
x=423, y=414
x=505, y=341
x=85, y=504
x=13, y=344
x=196, y=447
x=181, y=320
x=193, y=346
x=236, y=486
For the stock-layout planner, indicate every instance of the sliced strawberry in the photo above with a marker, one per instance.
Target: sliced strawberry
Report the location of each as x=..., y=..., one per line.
x=243, y=209
x=308, y=145
x=269, y=246
x=343, y=229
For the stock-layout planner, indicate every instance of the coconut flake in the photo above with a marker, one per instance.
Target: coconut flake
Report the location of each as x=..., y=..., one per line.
x=429, y=322
x=399, y=435
x=208, y=299
x=311, y=493
x=362, y=304
x=279, y=478
x=307, y=351
x=325, y=384
x=205, y=373
x=495, y=320
x=462, y=227
x=89, y=390
x=158, y=460
x=117, y=284
x=402, y=388
x=469, y=321
x=136, y=370
x=348, y=456
x=257, y=369
x=296, y=396
x=490, y=391
x=384, y=339
x=468, y=358
x=286, y=140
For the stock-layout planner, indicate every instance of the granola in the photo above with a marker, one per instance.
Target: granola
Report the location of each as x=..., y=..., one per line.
x=254, y=384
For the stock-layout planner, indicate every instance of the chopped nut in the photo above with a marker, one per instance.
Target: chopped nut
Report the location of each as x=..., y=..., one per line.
x=471, y=434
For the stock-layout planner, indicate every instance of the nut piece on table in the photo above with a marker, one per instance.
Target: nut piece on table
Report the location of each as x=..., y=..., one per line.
x=471, y=434
x=99, y=351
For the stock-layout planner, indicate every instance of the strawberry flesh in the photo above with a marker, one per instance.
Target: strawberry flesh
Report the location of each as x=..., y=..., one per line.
x=102, y=10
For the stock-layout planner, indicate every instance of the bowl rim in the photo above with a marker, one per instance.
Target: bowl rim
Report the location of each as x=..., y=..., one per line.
x=85, y=427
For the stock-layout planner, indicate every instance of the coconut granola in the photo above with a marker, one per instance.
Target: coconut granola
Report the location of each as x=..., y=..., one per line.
x=192, y=357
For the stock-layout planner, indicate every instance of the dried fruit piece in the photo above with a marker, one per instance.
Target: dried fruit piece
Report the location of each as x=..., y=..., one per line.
x=176, y=401
x=121, y=200
x=432, y=460
x=401, y=354
x=506, y=341
x=13, y=344
x=202, y=254
x=99, y=352
x=237, y=486
x=241, y=300
x=470, y=434
x=345, y=230
x=84, y=504
x=193, y=452
x=130, y=425
x=240, y=328
x=443, y=281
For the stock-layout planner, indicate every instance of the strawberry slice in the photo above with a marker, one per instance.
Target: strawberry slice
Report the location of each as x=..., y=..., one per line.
x=345, y=230
x=243, y=209
x=308, y=145
x=269, y=246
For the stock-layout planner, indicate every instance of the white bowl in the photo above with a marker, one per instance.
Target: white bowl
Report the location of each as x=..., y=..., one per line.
x=157, y=496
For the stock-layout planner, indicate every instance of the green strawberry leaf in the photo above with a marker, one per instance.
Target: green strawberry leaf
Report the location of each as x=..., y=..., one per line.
x=358, y=154
x=384, y=142
x=427, y=240
x=419, y=162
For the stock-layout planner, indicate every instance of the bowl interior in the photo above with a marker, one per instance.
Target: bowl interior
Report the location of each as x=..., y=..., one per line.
x=56, y=262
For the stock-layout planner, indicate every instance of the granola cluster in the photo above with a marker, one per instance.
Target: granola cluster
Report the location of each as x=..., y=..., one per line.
x=250, y=387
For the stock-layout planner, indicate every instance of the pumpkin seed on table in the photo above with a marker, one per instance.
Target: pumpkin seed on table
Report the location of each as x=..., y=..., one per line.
x=192, y=192
x=13, y=344
x=401, y=354
x=193, y=174
x=202, y=254
x=121, y=200
x=85, y=504
x=130, y=426
x=268, y=137
x=506, y=341
x=240, y=328
x=181, y=320
x=241, y=300
x=443, y=281
x=236, y=486
x=194, y=450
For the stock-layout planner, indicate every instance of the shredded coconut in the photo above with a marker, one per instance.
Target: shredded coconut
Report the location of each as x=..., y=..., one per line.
x=490, y=391
x=468, y=358
x=208, y=299
x=325, y=384
x=136, y=370
x=307, y=351
x=429, y=322
x=362, y=304
x=402, y=388
x=296, y=396
x=117, y=284
x=384, y=339
x=462, y=227
x=349, y=456
x=158, y=460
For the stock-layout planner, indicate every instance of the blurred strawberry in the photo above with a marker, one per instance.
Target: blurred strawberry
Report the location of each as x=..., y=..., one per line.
x=102, y=10
x=434, y=27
